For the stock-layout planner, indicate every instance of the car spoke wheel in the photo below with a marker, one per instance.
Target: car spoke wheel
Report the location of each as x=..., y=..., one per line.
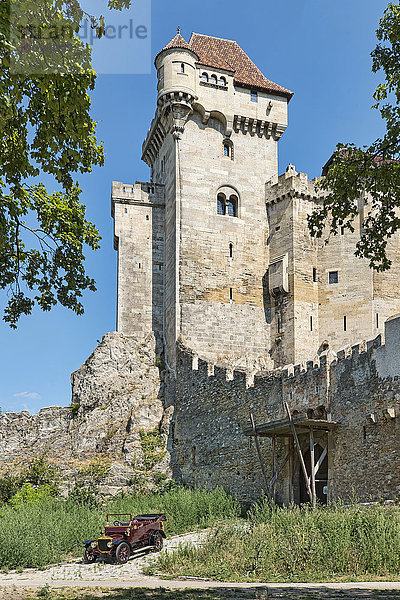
x=157, y=542
x=123, y=553
x=88, y=556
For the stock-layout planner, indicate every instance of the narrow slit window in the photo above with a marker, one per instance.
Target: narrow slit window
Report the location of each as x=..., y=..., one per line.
x=333, y=277
x=344, y=323
x=311, y=323
x=377, y=320
x=226, y=150
x=230, y=294
x=126, y=210
x=230, y=250
x=147, y=218
x=279, y=325
x=342, y=230
x=314, y=274
x=182, y=68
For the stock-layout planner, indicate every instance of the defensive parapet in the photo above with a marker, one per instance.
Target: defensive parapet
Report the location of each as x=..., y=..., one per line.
x=291, y=184
x=353, y=411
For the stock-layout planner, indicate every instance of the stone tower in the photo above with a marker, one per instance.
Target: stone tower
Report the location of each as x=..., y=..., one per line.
x=215, y=249
x=212, y=146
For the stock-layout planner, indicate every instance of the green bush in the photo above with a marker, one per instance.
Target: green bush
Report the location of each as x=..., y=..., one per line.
x=297, y=544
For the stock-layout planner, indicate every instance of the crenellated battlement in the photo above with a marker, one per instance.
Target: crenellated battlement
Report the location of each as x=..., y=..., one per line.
x=348, y=357
x=140, y=192
x=291, y=184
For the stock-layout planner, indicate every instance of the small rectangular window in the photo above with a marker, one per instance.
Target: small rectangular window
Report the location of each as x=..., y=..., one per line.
x=230, y=294
x=342, y=230
x=333, y=277
x=182, y=68
x=311, y=323
x=377, y=320
x=314, y=274
x=254, y=96
x=344, y=323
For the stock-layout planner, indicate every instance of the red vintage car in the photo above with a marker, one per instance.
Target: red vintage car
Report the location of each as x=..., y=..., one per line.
x=123, y=537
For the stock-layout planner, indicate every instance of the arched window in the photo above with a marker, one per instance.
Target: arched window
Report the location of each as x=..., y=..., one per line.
x=231, y=206
x=220, y=204
x=204, y=77
x=213, y=79
x=182, y=68
x=222, y=81
x=228, y=149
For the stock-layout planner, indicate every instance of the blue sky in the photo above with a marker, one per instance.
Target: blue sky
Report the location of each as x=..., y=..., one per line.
x=317, y=48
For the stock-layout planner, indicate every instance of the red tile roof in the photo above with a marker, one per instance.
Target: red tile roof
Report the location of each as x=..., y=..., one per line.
x=228, y=55
x=218, y=53
x=177, y=42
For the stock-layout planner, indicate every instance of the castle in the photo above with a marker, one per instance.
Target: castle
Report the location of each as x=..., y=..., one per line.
x=267, y=360
x=215, y=258
x=215, y=249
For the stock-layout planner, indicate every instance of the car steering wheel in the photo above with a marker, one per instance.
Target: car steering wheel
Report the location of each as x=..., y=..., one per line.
x=117, y=523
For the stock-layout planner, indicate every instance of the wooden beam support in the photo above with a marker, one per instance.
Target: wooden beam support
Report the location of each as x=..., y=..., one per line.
x=291, y=470
x=260, y=455
x=320, y=461
x=299, y=452
x=278, y=472
x=273, y=467
x=312, y=460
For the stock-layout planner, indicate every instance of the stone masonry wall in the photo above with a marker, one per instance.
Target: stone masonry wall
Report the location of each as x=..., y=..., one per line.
x=353, y=389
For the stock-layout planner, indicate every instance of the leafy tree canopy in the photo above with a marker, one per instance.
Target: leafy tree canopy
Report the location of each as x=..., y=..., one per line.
x=373, y=170
x=45, y=128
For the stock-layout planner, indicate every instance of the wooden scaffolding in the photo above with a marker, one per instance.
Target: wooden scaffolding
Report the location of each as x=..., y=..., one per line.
x=291, y=428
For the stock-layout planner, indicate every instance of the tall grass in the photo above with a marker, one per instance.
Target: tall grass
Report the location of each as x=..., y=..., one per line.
x=278, y=544
x=45, y=532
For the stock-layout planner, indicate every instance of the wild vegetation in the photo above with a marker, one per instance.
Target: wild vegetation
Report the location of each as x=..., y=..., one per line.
x=266, y=543
x=49, y=529
x=296, y=544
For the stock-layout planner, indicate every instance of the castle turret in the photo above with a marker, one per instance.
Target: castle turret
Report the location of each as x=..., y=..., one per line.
x=176, y=68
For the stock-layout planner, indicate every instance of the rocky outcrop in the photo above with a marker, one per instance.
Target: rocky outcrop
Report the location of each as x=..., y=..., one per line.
x=116, y=393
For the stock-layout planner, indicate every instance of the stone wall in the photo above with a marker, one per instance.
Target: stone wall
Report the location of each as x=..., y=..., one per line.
x=139, y=237
x=353, y=389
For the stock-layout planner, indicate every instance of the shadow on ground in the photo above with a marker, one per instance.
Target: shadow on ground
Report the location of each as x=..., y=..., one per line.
x=259, y=593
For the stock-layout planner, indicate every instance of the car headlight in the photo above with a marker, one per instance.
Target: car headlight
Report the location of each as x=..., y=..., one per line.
x=109, y=544
x=93, y=544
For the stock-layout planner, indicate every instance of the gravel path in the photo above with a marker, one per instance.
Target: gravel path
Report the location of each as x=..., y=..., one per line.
x=99, y=572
